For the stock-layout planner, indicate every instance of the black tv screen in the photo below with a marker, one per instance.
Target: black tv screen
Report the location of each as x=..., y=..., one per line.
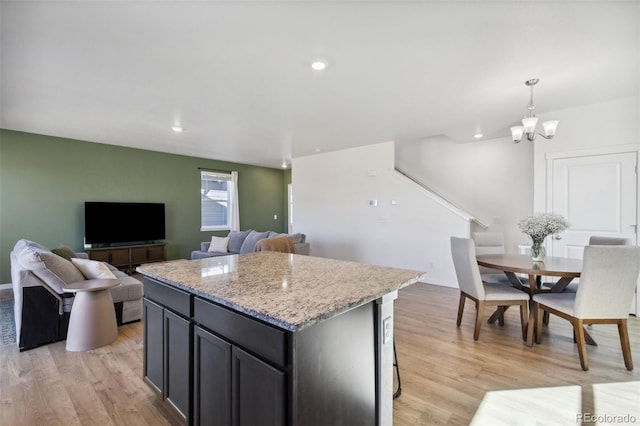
x=109, y=222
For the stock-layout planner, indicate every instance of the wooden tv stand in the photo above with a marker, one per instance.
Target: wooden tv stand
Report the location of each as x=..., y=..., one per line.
x=127, y=258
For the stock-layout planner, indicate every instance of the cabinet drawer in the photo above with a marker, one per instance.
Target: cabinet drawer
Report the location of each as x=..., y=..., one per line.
x=264, y=340
x=177, y=300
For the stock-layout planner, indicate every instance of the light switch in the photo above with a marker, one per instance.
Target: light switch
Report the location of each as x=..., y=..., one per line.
x=275, y=217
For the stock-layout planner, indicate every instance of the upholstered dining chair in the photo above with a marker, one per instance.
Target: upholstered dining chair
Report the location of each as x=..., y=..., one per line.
x=596, y=240
x=483, y=294
x=490, y=243
x=608, y=279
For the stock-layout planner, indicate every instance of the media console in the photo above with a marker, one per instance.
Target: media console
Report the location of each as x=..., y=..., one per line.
x=127, y=258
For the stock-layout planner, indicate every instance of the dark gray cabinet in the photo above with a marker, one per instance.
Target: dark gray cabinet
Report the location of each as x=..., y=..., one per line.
x=153, y=344
x=177, y=361
x=218, y=366
x=258, y=391
x=212, y=379
x=194, y=354
x=232, y=387
x=168, y=348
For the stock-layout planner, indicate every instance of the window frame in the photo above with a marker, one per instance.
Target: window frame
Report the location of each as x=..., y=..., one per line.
x=217, y=176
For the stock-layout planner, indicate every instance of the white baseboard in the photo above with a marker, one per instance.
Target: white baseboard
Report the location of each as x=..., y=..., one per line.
x=5, y=286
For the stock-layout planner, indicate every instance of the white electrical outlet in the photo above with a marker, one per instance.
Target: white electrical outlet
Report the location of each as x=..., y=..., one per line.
x=387, y=330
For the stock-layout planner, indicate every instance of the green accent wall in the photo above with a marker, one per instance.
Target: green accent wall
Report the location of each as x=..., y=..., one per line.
x=44, y=182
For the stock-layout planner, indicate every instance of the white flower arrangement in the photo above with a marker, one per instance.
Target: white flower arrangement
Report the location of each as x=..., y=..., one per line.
x=540, y=225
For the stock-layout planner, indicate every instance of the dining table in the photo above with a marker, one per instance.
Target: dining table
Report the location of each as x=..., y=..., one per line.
x=563, y=269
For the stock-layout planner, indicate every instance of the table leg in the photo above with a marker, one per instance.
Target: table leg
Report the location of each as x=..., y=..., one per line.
x=92, y=322
x=561, y=285
x=498, y=314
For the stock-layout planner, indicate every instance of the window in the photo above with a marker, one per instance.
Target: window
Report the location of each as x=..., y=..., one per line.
x=219, y=201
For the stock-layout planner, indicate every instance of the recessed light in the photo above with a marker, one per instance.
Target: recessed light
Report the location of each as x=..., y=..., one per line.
x=177, y=128
x=319, y=65
x=284, y=165
x=478, y=135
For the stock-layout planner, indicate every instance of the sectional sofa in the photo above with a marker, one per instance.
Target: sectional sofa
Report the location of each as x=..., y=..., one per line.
x=42, y=308
x=237, y=242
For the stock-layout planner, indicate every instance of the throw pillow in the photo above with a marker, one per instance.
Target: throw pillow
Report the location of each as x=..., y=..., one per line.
x=92, y=268
x=252, y=239
x=236, y=238
x=219, y=244
x=64, y=251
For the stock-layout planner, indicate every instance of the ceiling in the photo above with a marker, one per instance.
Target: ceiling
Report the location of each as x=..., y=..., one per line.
x=236, y=74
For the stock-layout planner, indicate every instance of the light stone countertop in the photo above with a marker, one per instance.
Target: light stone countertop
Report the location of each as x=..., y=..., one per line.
x=287, y=290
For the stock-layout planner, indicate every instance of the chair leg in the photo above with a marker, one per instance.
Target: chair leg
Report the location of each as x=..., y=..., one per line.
x=532, y=322
x=539, y=320
x=523, y=318
x=545, y=318
x=582, y=345
x=624, y=342
x=479, y=311
x=460, y=309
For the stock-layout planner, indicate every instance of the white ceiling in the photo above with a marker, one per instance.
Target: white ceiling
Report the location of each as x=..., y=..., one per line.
x=236, y=74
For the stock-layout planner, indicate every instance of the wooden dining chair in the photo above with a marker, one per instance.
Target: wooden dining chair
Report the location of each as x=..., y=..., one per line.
x=607, y=282
x=483, y=294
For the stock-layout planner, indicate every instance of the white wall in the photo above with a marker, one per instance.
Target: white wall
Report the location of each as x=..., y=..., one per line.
x=592, y=126
x=331, y=193
x=491, y=179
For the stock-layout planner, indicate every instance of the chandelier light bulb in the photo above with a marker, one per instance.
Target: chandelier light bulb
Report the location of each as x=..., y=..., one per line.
x=550, y=128
x=516, y=133
x=530, y=121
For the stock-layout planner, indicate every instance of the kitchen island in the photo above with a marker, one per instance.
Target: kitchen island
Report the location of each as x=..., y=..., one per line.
x=272, y=339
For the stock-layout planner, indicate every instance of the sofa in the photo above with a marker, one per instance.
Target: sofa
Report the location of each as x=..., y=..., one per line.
x=42, y=308
x=237, y=242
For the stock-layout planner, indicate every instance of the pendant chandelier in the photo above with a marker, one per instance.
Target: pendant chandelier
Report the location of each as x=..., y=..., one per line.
x=530, y=121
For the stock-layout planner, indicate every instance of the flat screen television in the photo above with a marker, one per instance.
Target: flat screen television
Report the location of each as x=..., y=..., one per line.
x=111, y=222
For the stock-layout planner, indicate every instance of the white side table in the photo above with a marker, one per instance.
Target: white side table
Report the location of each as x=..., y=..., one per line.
x=93, y=318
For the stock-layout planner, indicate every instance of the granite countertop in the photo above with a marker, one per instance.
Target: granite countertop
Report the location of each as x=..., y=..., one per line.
x=287, y=290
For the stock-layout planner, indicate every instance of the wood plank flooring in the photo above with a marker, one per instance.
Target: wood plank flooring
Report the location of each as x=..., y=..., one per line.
x=445, y=374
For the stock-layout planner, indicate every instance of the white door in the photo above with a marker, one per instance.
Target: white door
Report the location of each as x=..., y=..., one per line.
x=597, y=195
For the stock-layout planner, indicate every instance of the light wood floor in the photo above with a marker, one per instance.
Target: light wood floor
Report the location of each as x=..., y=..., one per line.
x=445, y=374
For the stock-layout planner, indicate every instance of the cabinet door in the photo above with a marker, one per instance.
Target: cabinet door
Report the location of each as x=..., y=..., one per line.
x=153, y=346
x=119, y=256
x=258, y=392
x=156, y=253
x=211, y=379
x=177, y=358
x=139, y=255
